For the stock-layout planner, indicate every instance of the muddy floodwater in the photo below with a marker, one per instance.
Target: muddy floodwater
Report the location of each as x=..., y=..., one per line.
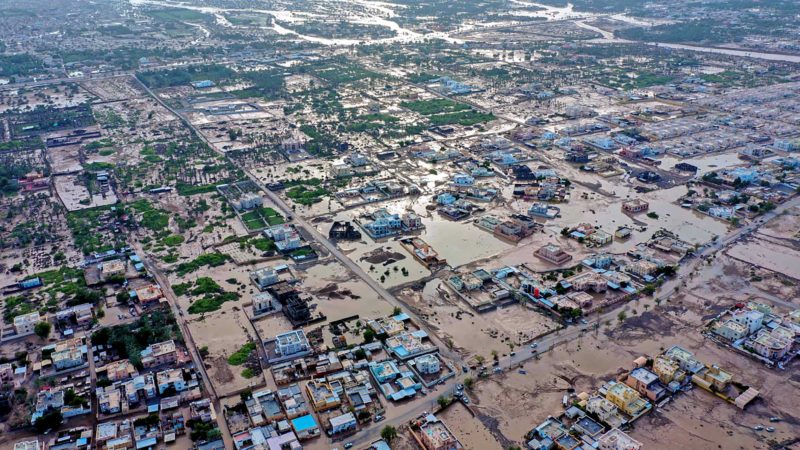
x=769, y=255
x=468, y=429
x=461, y=243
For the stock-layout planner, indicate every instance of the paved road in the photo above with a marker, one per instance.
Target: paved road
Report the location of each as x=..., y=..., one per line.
x=172, y=300
x=372, y=431
x=355, y=269
x=323, y=240
x=522, y=354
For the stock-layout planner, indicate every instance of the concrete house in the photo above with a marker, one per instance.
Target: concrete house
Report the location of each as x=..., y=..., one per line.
x=647, y=384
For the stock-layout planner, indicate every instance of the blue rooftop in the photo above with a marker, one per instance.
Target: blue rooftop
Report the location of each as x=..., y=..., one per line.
x=400, y=351
x=145, y=443
x=419, y=333
x=303, y=423
x=402, y=317
x=381, y=445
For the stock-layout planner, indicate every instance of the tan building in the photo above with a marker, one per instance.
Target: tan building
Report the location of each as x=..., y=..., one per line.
x=553, y=254
x=635, y=206
x=159, y=354
x=730, y=330
x=119, y=370
x=712, y=378
x=111, y=268
x=641, y=268
x=6, y=373
x=149, y=295
x=774, y=344
x=668, y=370
x=618, y=440
x=322, y=395
x=436, y=436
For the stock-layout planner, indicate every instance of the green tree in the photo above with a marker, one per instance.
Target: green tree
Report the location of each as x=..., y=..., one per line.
x=42, y=329
x=469, y=382
x=50, y=420
x=369, y=335
x=389, y=433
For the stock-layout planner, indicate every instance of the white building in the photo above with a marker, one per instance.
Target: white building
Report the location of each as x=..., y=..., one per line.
x=428, y=364
x=750, y=318
x=248, y=201
x=27, y=445
x=264, y=302
x=264, y=277
x=292, y=343
x=731, y=330
x=25, y=323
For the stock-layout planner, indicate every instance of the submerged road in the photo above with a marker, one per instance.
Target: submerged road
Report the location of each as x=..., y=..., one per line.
x=404, y=413
x=321, y=239
x=665, y=292
x=172, y=300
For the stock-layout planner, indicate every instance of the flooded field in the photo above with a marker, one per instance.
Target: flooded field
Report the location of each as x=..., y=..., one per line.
x=468, y=429
x=473, y=333
x=223, y=333
x=767, y=253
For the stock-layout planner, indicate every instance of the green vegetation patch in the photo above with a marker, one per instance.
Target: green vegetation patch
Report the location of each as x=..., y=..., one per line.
x=19, y=65
x=206, y=259
x=173, y=240
x=179, y=15
x=128, y=340
x=307, y=196
x=152, y=218
x=16, y=306
x=212, y=303
x=213, y=295
x=84, y=225
x=435, y=106
x=463, y=118
x=241, y=355
x=186, y=189
x=185, y=75
x=261, y=218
